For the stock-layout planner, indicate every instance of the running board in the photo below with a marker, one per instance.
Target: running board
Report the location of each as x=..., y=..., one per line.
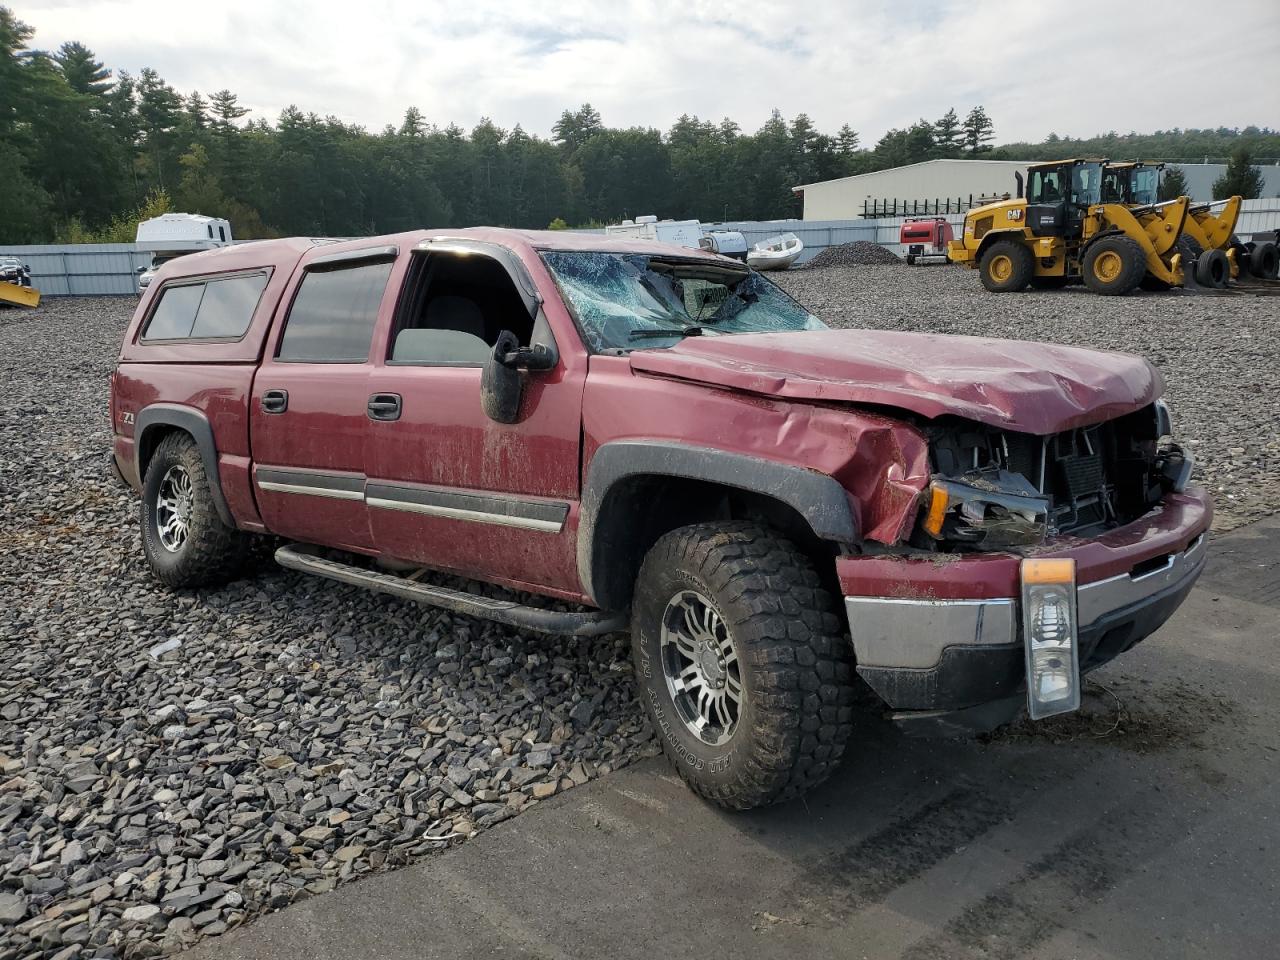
x=592, y=623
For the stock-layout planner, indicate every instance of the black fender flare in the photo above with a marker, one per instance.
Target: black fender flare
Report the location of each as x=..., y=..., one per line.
x=193, y=422
x=818, y=498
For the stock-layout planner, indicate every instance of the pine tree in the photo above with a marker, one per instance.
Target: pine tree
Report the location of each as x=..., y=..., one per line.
x=1173, y=183
x=225, y=109
x=573, y=129
x=1239, y=179
x=979, y=131
x=197, y=109
x=413, y=125
x=947, y=134
x=847, y=141
x=85, y=74
x=158, y=106
x=14, y=35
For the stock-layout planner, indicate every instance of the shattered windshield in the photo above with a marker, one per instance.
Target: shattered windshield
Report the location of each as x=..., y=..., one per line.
x=632, y=301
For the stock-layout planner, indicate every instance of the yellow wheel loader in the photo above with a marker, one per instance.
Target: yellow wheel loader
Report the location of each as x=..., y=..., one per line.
x=1208, y=227
x=1063, y=230
x=1136, y=184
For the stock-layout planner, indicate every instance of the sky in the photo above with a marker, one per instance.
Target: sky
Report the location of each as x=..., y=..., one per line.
x=1077, y=68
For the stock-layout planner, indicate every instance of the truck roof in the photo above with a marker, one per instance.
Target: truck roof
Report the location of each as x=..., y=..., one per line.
x=288, y=250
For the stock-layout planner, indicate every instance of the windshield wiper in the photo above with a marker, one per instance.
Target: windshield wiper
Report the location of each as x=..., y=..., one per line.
x=692, y=331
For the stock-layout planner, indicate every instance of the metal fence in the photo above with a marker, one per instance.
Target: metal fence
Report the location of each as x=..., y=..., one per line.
x=110, y=269
x=82, y=269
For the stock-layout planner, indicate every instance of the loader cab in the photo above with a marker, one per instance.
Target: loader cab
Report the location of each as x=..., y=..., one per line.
x=1060, y=194
x=1134, y=184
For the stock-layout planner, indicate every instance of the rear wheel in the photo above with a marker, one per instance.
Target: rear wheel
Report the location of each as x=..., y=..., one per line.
x=184, y=540
x=1006, y=266
x=741, y=662
x=1113, y=266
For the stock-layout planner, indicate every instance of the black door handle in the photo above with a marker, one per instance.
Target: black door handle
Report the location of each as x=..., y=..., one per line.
x=275, y=401
x=384, y=406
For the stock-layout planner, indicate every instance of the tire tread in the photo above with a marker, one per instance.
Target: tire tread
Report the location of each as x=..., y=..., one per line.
x=785, y=624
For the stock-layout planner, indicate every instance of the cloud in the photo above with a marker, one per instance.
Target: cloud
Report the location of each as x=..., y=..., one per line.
x=1081, y=69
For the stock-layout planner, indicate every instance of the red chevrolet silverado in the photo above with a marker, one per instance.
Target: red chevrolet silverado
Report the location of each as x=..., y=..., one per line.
x=665, y=439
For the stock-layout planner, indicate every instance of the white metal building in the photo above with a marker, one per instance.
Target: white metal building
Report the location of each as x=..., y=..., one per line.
x=958, y=180
x=917, y=182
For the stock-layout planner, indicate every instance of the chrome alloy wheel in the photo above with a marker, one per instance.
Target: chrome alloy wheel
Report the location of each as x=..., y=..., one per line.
x=700, y=665
x=173, y=508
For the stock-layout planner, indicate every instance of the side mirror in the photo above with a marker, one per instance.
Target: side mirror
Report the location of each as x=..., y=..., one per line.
x=140, y=270
x=501, y=383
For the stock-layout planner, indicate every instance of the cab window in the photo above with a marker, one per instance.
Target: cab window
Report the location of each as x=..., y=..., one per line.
x=1045, y=187
x=334, y=312
x=453, y=309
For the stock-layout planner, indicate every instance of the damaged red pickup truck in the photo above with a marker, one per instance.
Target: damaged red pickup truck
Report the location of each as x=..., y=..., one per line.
x=668, y=440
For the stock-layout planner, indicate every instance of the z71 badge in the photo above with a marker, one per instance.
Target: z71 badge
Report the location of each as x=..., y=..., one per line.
x=1013, y=214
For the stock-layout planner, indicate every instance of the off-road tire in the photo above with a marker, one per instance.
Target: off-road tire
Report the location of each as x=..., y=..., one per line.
x=1021, y=267
x=212, y=553
x=1126, y=254
x=793, y=659
x=1213, y=269
x=1264, y=261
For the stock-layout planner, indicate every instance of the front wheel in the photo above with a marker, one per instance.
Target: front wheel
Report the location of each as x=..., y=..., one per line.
x=1113, y=266
x=1007, y=266
x=741, y=663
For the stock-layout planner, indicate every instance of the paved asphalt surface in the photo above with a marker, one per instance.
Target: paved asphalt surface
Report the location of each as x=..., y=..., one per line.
x=1146, y=826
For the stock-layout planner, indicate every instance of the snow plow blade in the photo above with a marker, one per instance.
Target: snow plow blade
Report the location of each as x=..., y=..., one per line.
x=19, y=296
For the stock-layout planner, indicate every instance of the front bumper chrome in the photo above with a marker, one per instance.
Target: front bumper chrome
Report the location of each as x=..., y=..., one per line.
x=954, y=653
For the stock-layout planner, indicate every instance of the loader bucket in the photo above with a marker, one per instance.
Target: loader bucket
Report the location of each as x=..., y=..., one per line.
x=11, y=293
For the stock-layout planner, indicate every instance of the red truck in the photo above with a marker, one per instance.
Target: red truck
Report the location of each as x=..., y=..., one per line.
x=665, y=439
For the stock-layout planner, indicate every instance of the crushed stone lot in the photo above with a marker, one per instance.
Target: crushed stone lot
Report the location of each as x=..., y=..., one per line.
x=1219, y=355
x=173, y=764
x=297, y=734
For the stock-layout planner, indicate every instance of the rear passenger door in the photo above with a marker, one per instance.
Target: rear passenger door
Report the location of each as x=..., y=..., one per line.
x=308, y=419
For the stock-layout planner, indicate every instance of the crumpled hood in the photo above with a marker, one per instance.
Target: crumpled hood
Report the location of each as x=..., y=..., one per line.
x=1037, y=388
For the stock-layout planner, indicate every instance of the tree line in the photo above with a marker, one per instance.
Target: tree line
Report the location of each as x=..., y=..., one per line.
x=85, y=152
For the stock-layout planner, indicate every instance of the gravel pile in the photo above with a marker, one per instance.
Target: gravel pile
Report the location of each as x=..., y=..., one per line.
x=172, y=764
x=859, y=253
x=1219, y=355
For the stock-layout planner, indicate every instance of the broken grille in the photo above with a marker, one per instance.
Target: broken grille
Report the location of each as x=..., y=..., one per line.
x=1093, y=477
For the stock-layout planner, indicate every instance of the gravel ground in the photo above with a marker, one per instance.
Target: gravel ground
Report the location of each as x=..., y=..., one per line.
x=298, y=734
x=1219, y=355
x=173, y=764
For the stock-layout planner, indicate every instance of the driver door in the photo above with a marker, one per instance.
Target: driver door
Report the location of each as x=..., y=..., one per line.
x=448, y=487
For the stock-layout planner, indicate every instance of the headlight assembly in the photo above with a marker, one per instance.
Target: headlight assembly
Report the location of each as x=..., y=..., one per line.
x=1001, y=509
